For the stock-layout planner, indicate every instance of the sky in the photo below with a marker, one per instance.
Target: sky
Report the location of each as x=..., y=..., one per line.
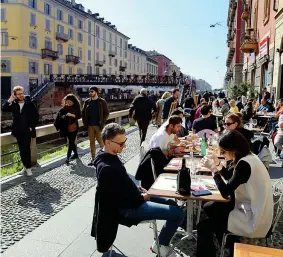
x=179, y=29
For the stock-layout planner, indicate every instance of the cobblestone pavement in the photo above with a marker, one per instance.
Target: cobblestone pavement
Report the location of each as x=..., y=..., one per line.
x=29, y=204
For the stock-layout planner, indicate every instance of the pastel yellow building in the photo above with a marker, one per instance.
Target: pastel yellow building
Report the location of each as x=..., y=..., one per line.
x=38, y=38
x=137, y=61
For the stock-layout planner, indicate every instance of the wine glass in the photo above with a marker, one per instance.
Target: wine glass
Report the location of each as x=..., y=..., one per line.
x=254, y=122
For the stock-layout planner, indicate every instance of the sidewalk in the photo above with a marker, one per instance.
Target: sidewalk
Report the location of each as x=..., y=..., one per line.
x=67, y=234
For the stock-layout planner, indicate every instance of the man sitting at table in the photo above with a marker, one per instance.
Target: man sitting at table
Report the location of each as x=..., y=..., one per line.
x=166, y=139
x=205, y=122
x=120, y=201
x=264, y=106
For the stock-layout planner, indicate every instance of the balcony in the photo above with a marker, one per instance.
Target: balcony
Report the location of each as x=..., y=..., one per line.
x=231, y=52
x=73, y=59
x=249, y=42
x=62, y=36
x=122, y=68
x=112, y=53
x=99, y=63
x=45, y=53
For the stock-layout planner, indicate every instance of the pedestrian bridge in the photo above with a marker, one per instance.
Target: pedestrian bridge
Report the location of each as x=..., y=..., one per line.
x=50, y=214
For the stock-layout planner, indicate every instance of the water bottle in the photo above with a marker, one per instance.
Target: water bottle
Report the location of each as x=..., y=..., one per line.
x=184, y=180
x=203, y=145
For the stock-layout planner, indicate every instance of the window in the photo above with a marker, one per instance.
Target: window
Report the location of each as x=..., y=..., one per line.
x=89, y=26
x=33, y=19
x=110, y=71
x=47, y=25
x=104, y=46
x=97, y=56
x=33, y=67
x=3, y=14
x=5, y=66
x=70, y=50
x=104, y=58
x=48, y=43
x=97, y=34
x=71, y=20
x=80, y=71
x=4, y=38
x=121, y=63
x=70, y=70
x=89, y=55
x=47, y=69
x=59, y=15
x=60, y=69
x=125, y=54
x=126, y=45
x=264, y=75
x=80, y=37
x=115, y=50
x=89, y=40
x=97, y=43
x=33, y=41
x=80, y=24
x=115, y=62
x=60, y=49
x=104, y=71
x=71, y=34
x=89, y=69
x=110, y=37
x=266, y=11
x=104, y=34
x=47, y=9
x=80, y=53
x=110, y=60
x=115, y=40
x=60, y=28
x=32, y=3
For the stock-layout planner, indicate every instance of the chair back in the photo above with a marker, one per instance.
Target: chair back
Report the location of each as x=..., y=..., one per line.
x=277, y=189
x=143, y=150
x=209, y=133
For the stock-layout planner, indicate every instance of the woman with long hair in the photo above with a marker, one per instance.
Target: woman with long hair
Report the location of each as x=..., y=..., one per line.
x=67, y=123
x=247, y=185
x=159, y=106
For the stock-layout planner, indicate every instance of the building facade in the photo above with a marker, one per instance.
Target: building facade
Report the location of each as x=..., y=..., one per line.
x=258, y=43
x=234, y=61
x=151, y=66
x=277, y=85
x=137, y=61
x=174, y=67
x=163, y=63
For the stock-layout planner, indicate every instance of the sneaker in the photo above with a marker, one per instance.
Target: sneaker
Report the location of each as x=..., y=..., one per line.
x=164, y=250
x=29, y=172
x=23, y=171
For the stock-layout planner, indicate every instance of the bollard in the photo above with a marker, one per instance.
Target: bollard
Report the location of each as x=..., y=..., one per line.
x=33, y=150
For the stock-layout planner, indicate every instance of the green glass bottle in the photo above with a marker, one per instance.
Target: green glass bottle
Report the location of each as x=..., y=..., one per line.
x=203, y=145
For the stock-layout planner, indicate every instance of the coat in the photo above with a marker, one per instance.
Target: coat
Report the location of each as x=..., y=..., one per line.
x=103, y=112
x=24, y=120
x=141, y=108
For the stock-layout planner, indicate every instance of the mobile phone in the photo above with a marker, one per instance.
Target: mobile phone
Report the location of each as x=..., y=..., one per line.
x=201, y=193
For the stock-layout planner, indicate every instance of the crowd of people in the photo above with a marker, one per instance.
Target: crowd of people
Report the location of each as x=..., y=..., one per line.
x=244, y=179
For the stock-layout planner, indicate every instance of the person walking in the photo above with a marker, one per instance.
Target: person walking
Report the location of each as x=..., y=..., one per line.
x=170, y=104
x=159, y=107
x=25, y=118
x=94, y=114
x=67, y=123
x=141, y=110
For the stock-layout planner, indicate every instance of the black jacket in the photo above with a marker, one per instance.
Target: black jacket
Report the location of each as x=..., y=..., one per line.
x=62, y=121
x=115, y=191
x=142, y=108
x=24, y=120
x=144, y=171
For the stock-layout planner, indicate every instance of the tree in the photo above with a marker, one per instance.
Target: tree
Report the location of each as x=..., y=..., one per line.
x=243, y=88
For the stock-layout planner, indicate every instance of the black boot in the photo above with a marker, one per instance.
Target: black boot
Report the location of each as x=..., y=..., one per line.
x=75, y=156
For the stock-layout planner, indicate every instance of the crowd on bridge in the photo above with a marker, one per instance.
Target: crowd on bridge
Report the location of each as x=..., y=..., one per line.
x=230, y=135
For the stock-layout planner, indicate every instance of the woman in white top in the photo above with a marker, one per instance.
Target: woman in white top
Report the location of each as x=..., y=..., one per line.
x=250, y=209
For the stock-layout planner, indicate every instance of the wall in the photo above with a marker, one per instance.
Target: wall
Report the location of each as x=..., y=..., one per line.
x=163, y=64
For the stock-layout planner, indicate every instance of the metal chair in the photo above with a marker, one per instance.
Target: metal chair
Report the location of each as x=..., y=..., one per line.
x=277, y=189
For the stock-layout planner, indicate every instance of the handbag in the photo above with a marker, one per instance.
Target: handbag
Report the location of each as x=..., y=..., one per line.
x=72, y=127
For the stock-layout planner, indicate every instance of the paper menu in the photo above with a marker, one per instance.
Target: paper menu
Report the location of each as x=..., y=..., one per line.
x=168, y=183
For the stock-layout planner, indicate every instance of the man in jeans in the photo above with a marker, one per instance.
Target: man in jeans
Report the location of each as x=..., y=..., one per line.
x=119, y=196
x=25, y=118
x=143, y=109
x=94, y=114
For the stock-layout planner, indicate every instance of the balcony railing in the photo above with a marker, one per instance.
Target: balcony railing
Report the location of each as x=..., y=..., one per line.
x=122, y=68
x=99, y=63
x=73, y=59
x=249, y=41
x=49, y=53
x=112, y=53
x=62, y=36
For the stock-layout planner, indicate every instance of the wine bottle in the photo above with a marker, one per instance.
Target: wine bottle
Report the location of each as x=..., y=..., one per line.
x=184, y=180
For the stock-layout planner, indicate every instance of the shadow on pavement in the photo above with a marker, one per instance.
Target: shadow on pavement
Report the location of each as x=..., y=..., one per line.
x=114, y=254
x=39, y=195
x=82, y=170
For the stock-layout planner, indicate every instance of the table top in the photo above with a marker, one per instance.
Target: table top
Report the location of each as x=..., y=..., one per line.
x=266, y=116
x=244, y=250
x=175, y=164
x=216, y=196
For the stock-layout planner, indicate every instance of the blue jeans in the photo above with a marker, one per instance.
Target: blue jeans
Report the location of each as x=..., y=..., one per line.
x=159, y=209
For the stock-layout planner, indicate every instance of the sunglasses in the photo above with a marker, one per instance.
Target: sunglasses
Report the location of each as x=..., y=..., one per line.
x=228, y=124
x=120, y=144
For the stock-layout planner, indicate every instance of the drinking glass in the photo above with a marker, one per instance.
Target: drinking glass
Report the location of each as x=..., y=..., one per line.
x=254, y=122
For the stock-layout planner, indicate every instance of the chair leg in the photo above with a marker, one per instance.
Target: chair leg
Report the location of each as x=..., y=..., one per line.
x=199, y=212
x=223, y=245
x=155, y=233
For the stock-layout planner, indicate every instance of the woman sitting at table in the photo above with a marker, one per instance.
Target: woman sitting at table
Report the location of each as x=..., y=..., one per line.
x=233, y=106
x=233, y=121
x=250, y=209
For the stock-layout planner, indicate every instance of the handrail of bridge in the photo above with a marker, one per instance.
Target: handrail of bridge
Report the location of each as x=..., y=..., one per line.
x=7, y=138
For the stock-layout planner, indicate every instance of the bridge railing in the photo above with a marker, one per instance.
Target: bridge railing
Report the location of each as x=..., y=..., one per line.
x=9, y=142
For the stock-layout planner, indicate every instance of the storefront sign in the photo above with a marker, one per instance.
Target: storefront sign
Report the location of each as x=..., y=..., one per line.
x=264, y=47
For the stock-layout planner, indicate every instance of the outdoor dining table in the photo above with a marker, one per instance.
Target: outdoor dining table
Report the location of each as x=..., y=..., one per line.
x=244, y=250
x=166, y=185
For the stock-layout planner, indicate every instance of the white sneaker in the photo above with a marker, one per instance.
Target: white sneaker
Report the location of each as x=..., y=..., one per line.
x=23, y=171
x=29, y=172
x=164, y=250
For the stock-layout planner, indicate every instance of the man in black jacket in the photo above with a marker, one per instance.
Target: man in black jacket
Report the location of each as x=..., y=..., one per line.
x=118, y=198
x=170, y=104
x=142, y=109
x=25, y=118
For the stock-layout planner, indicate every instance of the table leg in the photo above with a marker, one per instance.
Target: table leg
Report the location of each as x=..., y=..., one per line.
x=190, y=213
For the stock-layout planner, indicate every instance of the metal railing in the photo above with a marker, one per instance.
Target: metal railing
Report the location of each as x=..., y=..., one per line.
x=42, y=131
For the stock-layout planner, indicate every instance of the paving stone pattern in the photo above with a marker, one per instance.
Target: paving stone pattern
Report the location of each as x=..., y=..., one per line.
x=28, y=205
